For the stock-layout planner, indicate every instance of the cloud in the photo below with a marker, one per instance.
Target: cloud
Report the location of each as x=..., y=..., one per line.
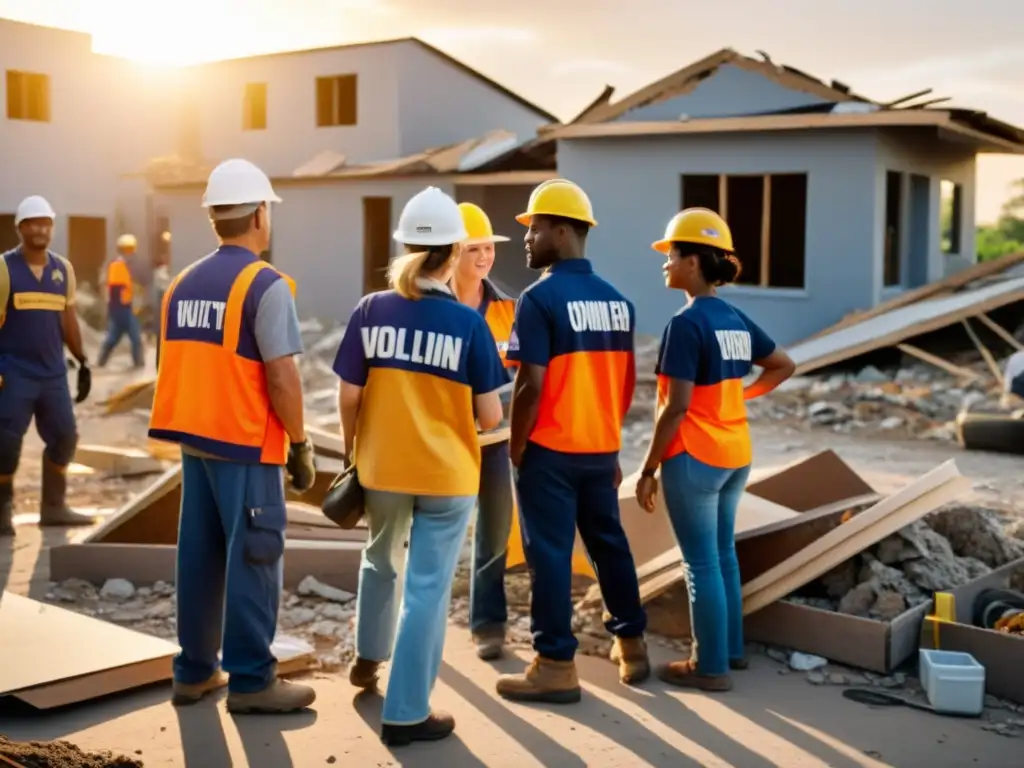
x=590, y=67
x=478, y=35
x=969, y=66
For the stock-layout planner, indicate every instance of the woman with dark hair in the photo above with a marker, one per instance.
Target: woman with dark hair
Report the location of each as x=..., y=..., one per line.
x=701, y=438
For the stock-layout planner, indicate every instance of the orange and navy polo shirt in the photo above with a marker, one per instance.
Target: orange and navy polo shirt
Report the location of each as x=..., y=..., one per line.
x=499, y=311
x=580, y=328
x=714, y=345
x=420, y=363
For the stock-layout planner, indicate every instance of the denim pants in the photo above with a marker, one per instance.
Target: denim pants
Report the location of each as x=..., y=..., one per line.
x=434, y=527
x=558, y=494
x=488, y=609
x=702, y=501
x=120, y=324
x=229, y=570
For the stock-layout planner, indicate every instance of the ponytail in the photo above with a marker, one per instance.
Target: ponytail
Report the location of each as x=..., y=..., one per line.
x=405, y=270
x=717, y=266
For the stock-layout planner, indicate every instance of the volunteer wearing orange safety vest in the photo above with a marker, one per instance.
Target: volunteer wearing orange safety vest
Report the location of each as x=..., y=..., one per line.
x=701, y=439
x=573, y=339
x=229, y=391
x=488, y=608
x=121, y=320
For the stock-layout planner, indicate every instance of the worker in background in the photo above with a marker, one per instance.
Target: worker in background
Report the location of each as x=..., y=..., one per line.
x=418, y=372
x=229, y=392
x=161, y=282
x=573, y=339
x=701, y=438
x=37, y=320
x=121, y=319
x=1013, y=381
x=488, y=608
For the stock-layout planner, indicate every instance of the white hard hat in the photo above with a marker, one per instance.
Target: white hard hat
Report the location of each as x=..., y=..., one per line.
x=34, y=207
x=238, y=182
x=127, y=241
x=430, y=218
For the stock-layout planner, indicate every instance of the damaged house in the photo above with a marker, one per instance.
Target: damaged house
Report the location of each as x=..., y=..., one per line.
x=836, y=202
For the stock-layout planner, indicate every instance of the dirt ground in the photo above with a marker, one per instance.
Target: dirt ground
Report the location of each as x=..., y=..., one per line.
x=772, y=718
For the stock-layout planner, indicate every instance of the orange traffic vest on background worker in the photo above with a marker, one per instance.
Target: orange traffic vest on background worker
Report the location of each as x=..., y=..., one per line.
x=119, y=285
x=499, y=311
x=208, y=349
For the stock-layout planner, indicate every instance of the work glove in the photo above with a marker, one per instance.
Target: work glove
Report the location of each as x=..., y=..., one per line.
x=301, y=467
x=84, y=380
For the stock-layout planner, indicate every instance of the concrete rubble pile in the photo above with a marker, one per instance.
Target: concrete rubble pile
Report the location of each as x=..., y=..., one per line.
x=945, y=550
x=917, y=401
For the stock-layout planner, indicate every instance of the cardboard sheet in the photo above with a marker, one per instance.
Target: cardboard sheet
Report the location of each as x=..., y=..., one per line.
x=46, y=648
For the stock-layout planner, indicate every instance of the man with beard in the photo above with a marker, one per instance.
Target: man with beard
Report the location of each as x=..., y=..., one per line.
x=573, y=339
x=37, y=319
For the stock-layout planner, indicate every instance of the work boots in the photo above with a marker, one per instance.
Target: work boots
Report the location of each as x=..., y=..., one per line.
x=364, y=673
x=184, y=694
x=277, y=698
x=53, y=510
x=7, y=507
x=545, y=680
x=630, y=653
x=490, y=644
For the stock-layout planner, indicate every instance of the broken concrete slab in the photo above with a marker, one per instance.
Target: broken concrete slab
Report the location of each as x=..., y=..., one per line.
x=335, y=563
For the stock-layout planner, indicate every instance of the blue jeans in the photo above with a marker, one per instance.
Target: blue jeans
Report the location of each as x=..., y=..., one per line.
x=435, y=527
x=702, y=501
x=229, y=571
x=49, y=400
x=488, y=609
x=558, y=494
x=120, y=324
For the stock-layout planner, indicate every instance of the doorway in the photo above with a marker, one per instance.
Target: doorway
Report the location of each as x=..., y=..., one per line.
x=376, y=243
x=87, y=247
x=920, y=232
x=8, y=234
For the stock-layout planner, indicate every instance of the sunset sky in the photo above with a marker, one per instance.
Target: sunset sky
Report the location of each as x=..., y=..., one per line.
x=560, y=53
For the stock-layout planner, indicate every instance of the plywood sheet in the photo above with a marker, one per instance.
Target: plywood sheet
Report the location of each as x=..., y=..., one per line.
x=118, y=461
x=901, y=324
x=152, y=516
x=51, y=644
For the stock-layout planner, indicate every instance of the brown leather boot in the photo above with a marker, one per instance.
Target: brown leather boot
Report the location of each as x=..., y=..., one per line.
x=437, y=726
x=53, y=510
x=7, y=506
x=683, y=674
x=184, y=694
x=364, y=673
x=277, y=698
x=545, y=680
x=630, y=653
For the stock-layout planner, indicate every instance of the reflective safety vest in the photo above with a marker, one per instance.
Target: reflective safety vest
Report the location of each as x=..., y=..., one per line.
x=119, y=284
x=499, y=311
x=211, y=390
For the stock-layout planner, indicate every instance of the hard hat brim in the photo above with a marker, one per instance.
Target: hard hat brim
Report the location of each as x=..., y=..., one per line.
x=665, y=246
x=526, y=218
x=484, y=240
x=662, y=246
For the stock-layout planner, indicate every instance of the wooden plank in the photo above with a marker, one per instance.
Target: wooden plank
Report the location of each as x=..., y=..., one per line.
x=938, y=487
x=986, y=355
x=766, y=228
x=946, y=285
x=999, y=331
x=938, y=362
x=902, y=324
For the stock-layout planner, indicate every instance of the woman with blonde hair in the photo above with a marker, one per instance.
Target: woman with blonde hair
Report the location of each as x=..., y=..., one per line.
x=488, y=608
x=419, y=373
x=701, y=438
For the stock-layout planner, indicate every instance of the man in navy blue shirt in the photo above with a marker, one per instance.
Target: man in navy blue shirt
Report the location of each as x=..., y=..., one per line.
x=37, y=320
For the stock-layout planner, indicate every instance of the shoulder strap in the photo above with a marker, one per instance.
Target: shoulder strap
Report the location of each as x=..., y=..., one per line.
x=70, y=280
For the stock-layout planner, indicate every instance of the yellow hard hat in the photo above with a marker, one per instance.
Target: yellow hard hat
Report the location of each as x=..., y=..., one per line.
x=558, y=197
x=696, y=225
x=478, y=226
x=127, y=241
